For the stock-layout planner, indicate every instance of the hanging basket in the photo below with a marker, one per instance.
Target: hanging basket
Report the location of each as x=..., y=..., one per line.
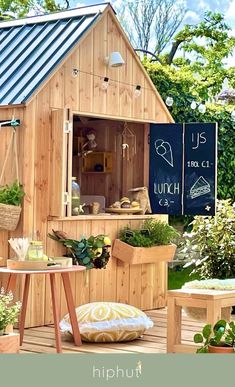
x=9, y=217
x=10, y=214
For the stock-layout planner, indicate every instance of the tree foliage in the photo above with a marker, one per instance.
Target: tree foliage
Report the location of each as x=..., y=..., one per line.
x=151, y=24
x=14, y=9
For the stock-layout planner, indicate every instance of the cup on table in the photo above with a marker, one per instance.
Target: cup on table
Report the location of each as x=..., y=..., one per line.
x=94, y=208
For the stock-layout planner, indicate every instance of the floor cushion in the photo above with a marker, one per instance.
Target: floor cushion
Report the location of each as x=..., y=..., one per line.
x=108, y=322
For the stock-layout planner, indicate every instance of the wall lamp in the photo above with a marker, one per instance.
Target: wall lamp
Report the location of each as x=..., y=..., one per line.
x=114, y=60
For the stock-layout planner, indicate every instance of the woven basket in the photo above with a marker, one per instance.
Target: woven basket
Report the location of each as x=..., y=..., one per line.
x=9, y=217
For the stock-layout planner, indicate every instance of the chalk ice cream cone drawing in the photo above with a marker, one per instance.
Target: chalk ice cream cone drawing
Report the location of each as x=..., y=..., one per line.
x=199, y=188
x=163, y=149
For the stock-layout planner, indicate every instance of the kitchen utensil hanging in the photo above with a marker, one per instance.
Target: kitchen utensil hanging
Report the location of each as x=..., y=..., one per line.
x=128, y=142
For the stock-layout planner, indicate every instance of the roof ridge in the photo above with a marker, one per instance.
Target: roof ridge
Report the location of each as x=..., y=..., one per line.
x=69, y=13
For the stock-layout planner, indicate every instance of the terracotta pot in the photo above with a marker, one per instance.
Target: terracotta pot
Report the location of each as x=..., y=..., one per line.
x=213, y=349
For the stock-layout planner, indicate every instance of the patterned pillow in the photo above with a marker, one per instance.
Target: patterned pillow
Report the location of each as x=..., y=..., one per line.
x=108, y=322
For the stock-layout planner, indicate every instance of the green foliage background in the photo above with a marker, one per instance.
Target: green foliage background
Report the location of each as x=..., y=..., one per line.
x=184, y=88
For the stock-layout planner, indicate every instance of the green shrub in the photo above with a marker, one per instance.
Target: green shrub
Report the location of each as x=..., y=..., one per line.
x=151, y=233
x=211, y=243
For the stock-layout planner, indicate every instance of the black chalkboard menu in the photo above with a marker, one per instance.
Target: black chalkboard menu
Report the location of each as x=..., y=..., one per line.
x=182, y=178
x=165, y=178
x=200, y=159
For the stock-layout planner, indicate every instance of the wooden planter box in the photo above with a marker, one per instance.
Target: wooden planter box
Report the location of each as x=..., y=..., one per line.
x=139, y=255
x=10, y=343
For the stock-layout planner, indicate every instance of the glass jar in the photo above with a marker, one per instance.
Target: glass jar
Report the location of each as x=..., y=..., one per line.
x=75, y=197
x=35, y=251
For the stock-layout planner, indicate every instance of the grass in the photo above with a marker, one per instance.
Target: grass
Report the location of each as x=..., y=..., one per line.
x=176, y=279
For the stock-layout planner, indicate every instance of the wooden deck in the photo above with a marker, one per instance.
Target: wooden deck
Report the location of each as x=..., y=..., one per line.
x=41, y=339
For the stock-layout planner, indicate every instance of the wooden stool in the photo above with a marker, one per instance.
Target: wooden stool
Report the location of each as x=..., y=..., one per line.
x=212, y=300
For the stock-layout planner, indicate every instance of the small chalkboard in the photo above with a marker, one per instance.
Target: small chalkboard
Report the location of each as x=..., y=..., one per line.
x=200, y=168
x=165, y=178
x=182, y=176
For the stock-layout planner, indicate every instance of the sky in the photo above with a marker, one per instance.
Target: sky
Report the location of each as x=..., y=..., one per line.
x=194, y=14
x=196, y=8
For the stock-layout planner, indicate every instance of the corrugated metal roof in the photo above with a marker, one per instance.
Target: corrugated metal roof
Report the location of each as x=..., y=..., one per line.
x=30, y=49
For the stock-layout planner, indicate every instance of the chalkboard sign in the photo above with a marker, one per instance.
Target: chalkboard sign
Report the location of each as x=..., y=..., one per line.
x=165, y=178
x=182, y=176
x=200, y=168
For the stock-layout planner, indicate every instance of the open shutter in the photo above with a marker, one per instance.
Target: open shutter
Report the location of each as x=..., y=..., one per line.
x=166, y=164
x=59, y=163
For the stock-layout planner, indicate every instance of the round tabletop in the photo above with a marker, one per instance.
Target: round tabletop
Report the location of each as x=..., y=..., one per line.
x=52, y=270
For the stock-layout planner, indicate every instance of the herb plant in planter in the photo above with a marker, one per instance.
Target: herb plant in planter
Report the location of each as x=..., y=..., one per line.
x=219, y=339
x=151, y=243
x=10, y=206
x=9, y=312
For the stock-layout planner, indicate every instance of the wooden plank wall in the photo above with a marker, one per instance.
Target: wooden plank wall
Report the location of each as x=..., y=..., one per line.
x=140, y=285
x=85, y=94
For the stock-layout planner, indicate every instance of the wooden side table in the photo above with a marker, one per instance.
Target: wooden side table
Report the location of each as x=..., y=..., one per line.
x=68, y=294
x=212, y=300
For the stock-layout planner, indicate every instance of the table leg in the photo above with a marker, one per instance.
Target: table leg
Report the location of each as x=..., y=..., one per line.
x=71, y=308
x=174, y=315
x=55, y=308
x=24, y=307
x=213, y=313
x=11, y=285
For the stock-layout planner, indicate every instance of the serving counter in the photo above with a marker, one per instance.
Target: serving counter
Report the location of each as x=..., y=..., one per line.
x=143, y=286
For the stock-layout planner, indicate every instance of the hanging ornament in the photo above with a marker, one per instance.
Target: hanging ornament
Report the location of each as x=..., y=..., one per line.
x=202, y=108
x=225, y=84
x=128, y=142
x=233, y=115
x=169, y=101
x=193, y=105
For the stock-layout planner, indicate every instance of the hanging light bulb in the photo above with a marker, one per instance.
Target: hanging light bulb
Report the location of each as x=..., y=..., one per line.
x=169, y=101
x=225, y=84
x=137, y=91
x=233, y=115
x=193, y=105
x=105, y=83
x=75, y=72
x=202, y=108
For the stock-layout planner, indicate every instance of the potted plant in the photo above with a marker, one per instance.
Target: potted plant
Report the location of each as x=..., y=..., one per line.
x=219, y=339
x=9, y=312
x=10, y=206
x=151, y=243
x=92, y=252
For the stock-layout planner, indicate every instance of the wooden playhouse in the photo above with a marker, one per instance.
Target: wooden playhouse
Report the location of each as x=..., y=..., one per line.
x=57, y=82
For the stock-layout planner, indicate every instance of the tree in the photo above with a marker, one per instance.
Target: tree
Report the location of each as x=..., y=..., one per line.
x=150, y=24
x=205, y=49
x=13, y=9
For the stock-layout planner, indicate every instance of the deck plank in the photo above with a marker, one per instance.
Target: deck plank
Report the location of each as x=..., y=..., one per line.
x=42, y=339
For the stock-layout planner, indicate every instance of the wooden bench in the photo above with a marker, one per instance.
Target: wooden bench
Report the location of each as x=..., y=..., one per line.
x=212, y=300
